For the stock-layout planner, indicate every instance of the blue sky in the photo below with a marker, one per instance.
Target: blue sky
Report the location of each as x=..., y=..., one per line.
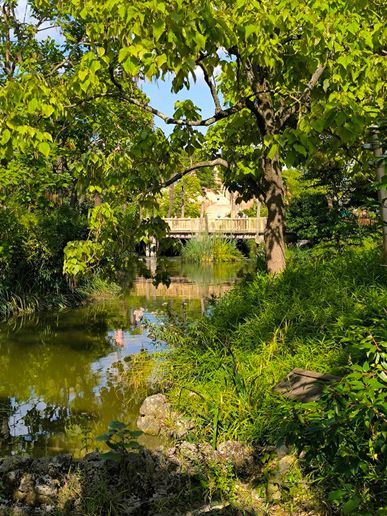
x=161, y=98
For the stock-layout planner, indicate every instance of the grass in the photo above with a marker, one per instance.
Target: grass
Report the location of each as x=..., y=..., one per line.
x=20, y=301
x=211, y=249
x=224, y=367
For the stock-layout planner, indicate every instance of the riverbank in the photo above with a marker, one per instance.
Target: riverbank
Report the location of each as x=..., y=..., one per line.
x=186, y=479
x=14, y=304
x=325, y=314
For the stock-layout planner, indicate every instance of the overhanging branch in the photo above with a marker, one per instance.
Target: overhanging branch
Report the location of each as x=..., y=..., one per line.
x=200, y=164
x=223, y=113
x=212, y=86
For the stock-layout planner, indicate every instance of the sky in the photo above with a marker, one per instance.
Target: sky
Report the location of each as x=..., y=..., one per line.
x=161, y=98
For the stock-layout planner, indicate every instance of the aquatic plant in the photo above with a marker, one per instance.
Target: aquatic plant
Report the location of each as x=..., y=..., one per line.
x=211, y=249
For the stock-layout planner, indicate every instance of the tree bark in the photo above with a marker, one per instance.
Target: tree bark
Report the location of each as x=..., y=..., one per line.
x=171, y=199
x=275, y=227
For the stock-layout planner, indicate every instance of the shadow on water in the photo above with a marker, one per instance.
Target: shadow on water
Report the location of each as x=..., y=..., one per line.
x=61, y=380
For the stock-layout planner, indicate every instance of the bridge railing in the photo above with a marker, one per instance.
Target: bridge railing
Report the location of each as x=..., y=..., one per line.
x=226, y=226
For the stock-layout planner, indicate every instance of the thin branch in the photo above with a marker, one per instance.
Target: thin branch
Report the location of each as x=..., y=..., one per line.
x=192, y=123
x=47, y=28
x=200, y=164
x=224, y=113
x=211, y=84
x=90, y=99
x=304, y=97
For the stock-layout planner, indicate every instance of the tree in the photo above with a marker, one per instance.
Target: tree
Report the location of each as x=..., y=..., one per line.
x=280, y=72
x=292, y=69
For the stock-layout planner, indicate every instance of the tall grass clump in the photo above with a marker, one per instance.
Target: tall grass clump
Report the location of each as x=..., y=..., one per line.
x=211, y=249
x=24, y=300
x=326, y=314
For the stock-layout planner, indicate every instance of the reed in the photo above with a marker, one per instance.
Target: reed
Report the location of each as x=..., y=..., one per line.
x=211, y=249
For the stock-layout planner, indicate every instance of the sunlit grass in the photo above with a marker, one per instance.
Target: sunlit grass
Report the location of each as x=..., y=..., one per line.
x=211, y=249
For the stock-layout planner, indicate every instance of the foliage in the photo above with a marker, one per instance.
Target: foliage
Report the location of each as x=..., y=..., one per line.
x=328, y=200
x=310, y=217
x=287, y=78
x=210, y=249
x=120, y=440
x=184, y=200
x=231, y=360
x=344, y=435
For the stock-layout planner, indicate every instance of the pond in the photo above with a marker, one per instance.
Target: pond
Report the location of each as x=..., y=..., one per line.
x=66, y=375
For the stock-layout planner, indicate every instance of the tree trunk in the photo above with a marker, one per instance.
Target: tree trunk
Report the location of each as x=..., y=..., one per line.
x=275, y=226
x=171, y=200
x=182, y=215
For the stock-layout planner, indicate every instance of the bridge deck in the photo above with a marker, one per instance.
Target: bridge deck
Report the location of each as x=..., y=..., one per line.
x=233, y=228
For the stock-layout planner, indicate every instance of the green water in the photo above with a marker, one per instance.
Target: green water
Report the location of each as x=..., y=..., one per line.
x=65, y=375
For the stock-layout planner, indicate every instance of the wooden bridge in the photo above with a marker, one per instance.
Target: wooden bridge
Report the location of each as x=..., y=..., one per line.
x=247, y=228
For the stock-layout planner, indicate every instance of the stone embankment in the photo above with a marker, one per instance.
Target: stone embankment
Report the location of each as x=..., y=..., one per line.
x=183, y=479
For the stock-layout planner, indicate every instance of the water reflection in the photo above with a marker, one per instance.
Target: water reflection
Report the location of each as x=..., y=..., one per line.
x=64, y=376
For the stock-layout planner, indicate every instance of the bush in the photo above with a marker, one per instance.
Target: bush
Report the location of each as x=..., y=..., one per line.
x=344, y=434
x=310, y=217
x=31, y=257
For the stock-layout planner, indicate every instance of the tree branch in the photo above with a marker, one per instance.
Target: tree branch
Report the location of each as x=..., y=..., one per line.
x=212, y=86
x=200, y=164
x=304, y=97
x=223, y=113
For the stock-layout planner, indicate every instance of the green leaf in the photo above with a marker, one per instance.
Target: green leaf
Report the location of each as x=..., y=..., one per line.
x=136, y=433
x=111, y=455
x=249, y=29
x=124, y=53
x=104, y=437
x=274, y=149
x=5, y=136
x=158, y=29
x=117, y=425
x=300, y=149
x=351, y=505
x=134, y=445
x=44, y=148
x=130, y=66
x=47, y=110
x=82, y=74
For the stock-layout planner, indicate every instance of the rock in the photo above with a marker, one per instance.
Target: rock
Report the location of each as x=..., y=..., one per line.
x=285, y=464
x=154, y=412
x=280, y=469
x=240, y=455
x=157, y=418
x=281, y=451
x=156, y=406
x=149, y=425
x=273, y=492
x=26, y=491
x=46, y=491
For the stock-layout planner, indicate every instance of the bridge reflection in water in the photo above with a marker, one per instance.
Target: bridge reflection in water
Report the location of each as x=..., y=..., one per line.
x=179, y=287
